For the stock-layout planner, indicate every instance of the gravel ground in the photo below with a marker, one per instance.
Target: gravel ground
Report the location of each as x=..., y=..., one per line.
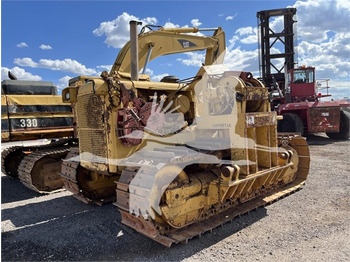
x=311, y=225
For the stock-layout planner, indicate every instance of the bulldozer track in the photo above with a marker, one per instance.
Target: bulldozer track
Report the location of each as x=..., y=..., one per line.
x=6, y=153
x=135, y=187
x=69, y=174
x=196, y=230
x=29, y=161
x=4, y=156
x=19, y=161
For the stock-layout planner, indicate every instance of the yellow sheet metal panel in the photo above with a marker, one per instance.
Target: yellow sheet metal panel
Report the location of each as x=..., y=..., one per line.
x=32, y=115
x=34, y=100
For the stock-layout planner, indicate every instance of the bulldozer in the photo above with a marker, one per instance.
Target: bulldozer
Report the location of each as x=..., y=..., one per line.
x=180, y=157
x=33, y=110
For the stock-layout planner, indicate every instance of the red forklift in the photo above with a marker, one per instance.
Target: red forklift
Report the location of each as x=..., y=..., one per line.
x=294, y=91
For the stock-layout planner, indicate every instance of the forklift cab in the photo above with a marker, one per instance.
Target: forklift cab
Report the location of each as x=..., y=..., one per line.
x=301, y=84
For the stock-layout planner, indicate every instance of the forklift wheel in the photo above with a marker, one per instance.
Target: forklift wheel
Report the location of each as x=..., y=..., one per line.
x=344, y=130
x=291, y=123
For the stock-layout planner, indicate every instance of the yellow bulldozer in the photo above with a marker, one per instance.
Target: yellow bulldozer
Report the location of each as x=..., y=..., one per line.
x=180, y=156
x=33, y=110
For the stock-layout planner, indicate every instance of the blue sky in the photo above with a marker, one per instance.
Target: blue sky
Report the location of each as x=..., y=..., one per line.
x=56, y=40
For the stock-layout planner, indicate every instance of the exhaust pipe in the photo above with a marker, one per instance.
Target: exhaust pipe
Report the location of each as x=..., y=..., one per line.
x=134, y=59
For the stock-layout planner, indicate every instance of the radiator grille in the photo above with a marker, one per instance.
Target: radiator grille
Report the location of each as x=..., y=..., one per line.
x=91, y=127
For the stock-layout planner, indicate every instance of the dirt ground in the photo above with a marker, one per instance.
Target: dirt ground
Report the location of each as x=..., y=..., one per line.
x=311, y=225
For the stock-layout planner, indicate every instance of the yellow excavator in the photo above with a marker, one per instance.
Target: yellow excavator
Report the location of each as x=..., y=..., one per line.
x=33, y=110
x=185, y=155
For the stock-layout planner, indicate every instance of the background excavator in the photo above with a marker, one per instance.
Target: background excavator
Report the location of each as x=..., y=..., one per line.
x=33, y=110
x=186, y=155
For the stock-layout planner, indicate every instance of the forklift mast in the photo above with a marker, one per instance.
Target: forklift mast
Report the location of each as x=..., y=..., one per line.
x=271, y=68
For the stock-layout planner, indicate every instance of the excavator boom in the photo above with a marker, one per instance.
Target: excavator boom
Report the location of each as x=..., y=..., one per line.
x=167, y=41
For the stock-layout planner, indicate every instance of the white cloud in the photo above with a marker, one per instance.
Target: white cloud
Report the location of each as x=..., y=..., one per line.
x=45, y=47
x=169, y=24
x=252, y=39
x=25, y=62
x=195, y=22
x=277, y=24
x=236, y=59
x=104, y=67
x=233, y=41
x=159, y=77
x=194, y=59
x=242, y=60
x=230, y=17
x=20, y=73
x=117, y=30
x=331, y=58
x=154, y=77
x=317, y=18
x=63, y=83
x=66, y=65
x=23, y=44
x=249, y=33
x=244, y=31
